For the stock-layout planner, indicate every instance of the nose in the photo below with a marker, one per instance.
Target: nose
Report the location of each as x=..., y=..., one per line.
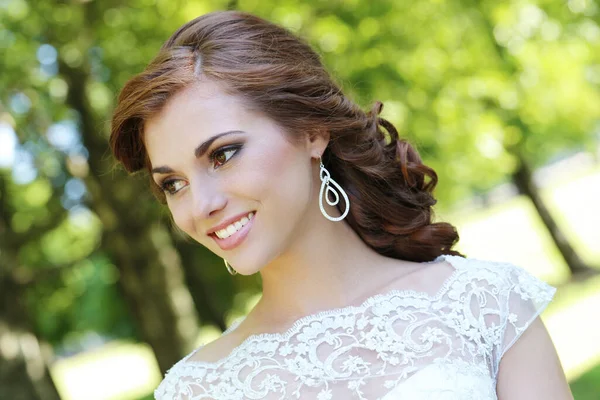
x=207, y=200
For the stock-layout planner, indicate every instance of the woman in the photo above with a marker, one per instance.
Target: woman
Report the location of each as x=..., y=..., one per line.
x=262, y=159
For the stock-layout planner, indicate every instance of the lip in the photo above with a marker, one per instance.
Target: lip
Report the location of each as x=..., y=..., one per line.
x=227, y=222
x=237, y=238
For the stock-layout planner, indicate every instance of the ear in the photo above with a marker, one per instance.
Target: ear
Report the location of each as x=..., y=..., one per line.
x=316, y=142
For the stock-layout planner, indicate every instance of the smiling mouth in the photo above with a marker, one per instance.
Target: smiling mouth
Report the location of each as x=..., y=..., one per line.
x=237, y=237
x=234, y=227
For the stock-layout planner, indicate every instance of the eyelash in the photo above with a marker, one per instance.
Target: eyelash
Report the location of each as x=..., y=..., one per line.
x=212, y=157
x=224, y=149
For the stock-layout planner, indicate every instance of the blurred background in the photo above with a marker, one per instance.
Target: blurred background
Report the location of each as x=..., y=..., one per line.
x=99, y=296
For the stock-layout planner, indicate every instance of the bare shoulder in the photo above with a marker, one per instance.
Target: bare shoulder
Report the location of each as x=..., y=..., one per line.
x=219, y=348
x=420, y=277
x=531, y=369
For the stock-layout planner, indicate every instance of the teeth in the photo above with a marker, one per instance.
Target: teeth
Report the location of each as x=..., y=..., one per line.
x=233, y=228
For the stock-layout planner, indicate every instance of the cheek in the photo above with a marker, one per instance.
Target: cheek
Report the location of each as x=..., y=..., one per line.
x=267, y=172
x=282, y=176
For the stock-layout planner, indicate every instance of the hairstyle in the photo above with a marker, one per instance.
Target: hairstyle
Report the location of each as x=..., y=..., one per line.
x=277, y=73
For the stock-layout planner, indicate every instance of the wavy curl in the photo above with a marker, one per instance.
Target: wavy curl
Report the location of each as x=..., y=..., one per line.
x=278, y=74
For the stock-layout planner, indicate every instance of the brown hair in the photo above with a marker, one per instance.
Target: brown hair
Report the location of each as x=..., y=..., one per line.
x=277, y=73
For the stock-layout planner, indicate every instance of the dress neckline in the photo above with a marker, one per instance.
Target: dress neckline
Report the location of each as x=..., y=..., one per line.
x=346, y=310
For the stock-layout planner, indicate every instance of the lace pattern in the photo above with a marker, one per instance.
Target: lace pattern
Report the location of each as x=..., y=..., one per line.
x=399, y=344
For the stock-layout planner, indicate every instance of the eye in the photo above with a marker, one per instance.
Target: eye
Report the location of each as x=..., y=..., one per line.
x=172, y=186
x=221, y=156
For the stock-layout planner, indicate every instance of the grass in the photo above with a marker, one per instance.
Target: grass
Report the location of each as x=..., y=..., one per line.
x=509, y=232
x=150, y=396
x=587, y=387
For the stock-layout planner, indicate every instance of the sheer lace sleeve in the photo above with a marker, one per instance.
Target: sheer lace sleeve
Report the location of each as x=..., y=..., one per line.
x=419, y=345
x=523, y=297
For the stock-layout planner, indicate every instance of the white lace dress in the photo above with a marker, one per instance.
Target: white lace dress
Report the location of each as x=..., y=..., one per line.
x=443, y=345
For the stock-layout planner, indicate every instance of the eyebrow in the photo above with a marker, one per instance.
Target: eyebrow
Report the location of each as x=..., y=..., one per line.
x=198, y=152
x=203, y=148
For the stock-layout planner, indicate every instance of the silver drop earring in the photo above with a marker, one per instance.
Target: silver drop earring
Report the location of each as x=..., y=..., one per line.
x=229, y=269
x=326, y=181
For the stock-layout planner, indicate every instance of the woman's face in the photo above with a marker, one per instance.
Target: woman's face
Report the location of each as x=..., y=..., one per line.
x=221, y=163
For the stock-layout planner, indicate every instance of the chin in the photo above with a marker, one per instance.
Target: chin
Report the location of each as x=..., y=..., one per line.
x=246, y=268
x=244, y=272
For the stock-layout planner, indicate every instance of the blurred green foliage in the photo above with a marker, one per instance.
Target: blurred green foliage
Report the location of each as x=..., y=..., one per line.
x=586, y=387
x=468, y=82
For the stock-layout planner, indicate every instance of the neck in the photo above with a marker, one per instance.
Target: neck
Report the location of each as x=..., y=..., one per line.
x=328, y=266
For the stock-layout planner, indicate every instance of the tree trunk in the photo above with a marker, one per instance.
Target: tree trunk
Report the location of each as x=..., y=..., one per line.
x=203, y=290
x=24, y=373
x=151, y=277
x=522, y=178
